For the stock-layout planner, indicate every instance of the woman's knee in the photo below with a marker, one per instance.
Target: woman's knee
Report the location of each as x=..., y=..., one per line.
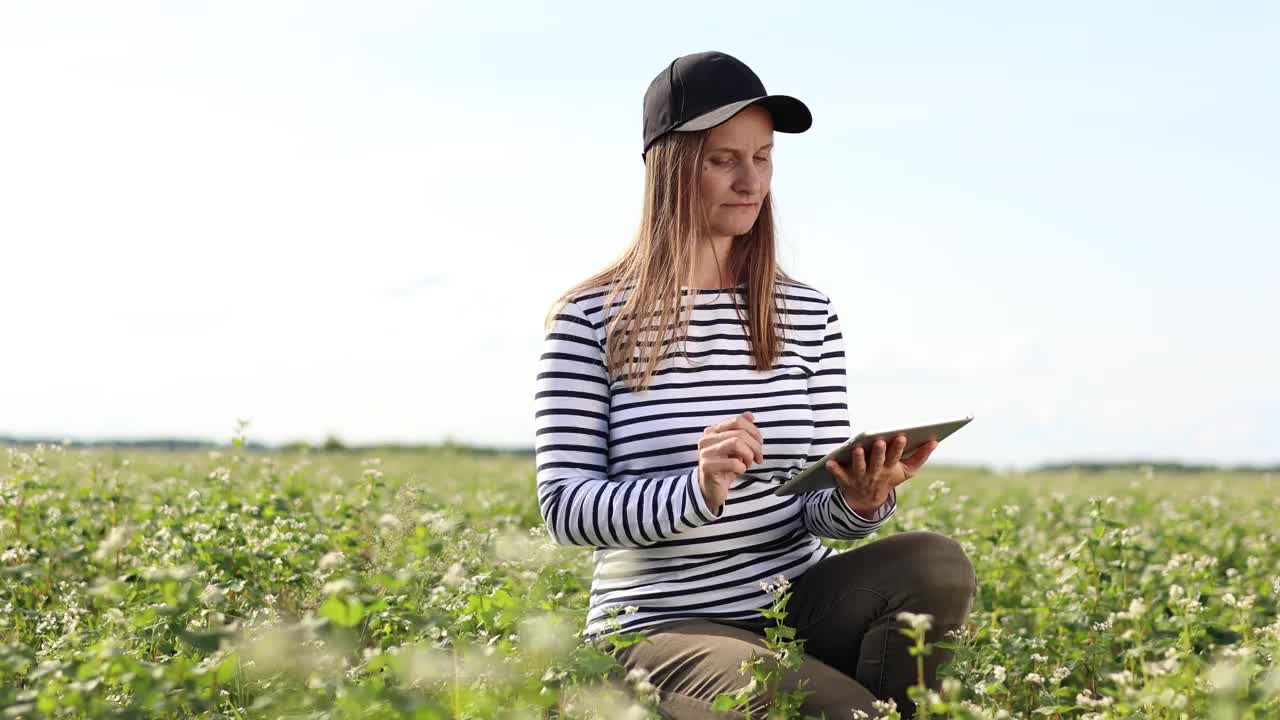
x=936, y=568
x=692, y=662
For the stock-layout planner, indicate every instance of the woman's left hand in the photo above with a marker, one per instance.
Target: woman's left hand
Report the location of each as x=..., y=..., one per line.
x=867, y=486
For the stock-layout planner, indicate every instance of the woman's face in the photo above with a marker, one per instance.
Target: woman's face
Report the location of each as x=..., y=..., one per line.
x=737, y=166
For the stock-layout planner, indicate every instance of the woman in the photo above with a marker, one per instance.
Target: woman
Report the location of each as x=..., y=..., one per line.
x=665, y=460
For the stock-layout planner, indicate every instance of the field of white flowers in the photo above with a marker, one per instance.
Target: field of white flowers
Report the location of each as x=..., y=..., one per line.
x=422, y=585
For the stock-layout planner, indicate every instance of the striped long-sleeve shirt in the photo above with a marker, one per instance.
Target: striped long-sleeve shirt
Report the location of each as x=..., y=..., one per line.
x=617, y=469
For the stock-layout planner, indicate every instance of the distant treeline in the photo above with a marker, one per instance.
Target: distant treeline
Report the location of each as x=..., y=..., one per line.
x=335, y=444
x=138, y=444
x=330, y=444
x=1153, y=466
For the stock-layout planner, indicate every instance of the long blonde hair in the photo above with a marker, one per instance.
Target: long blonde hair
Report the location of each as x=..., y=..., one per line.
x=672, y=225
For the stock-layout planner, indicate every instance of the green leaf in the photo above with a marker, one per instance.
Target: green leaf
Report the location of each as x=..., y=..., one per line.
x=724, y=702
x=346, y=612
x=588, y=662
x=625, y=639
x=227, y=670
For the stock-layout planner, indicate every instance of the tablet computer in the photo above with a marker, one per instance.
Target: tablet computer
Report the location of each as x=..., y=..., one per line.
x=816, y=476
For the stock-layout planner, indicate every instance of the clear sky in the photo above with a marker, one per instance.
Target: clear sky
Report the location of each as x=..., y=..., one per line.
x=351, y=217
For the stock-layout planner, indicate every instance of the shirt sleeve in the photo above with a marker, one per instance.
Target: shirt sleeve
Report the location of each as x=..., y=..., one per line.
x=580, y=503
x=826, y=514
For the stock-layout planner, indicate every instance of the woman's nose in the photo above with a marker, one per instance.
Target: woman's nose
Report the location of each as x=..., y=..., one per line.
x=748, y=179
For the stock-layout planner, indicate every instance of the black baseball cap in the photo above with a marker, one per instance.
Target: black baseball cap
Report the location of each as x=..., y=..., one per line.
x=702, y=90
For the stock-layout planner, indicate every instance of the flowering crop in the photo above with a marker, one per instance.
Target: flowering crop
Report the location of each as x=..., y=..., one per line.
x=422, y=584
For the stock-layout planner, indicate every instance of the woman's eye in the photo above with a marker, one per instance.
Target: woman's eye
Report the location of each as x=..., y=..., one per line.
x=720, y=161
x=762, y=159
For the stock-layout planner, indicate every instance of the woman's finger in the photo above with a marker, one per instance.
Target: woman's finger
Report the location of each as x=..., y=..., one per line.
x=734, y=447
x=749, y=424
x=895, y=450
x=725, y=465
x=756, y=441
x=757, y=448
x=744, y=447
x=842, y=477
x=713, y=438
x=877, y=458
x=859, y=462
x=738, y=422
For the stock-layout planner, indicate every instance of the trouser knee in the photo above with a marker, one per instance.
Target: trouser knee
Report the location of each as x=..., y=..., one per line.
x=938, y=575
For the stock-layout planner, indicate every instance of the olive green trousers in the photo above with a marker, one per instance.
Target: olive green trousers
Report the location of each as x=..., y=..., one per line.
x=845, y=609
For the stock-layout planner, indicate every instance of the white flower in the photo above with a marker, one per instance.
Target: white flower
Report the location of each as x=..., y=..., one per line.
x=776, y=585
x=160, y=574
x=389, y=521
x=437, y=522
x=1161, y=667
x=1086, y=699
x=917, y=621
x=998, y=672
x=330, y=560
x=337, y=587
x=1035, y=678
x=951, y=687
x=1243, y=603
x=117, y=538
x=212, y=595
x=453, y=576
x=1137, y=607
x=1123, y=678
x=646, y=690
x=630, y=610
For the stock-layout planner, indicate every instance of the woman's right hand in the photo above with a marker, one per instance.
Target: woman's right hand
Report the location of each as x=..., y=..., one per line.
x=725, y=451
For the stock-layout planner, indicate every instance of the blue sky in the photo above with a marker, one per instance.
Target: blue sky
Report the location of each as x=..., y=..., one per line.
x=351, y=217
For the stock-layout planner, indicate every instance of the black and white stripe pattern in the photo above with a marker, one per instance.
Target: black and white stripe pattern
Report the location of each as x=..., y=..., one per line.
x=617, y=470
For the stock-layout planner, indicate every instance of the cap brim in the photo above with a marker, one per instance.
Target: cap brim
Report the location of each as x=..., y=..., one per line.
x=789, y=114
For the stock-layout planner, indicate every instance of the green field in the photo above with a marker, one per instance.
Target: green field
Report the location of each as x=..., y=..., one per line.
x=421, y=584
